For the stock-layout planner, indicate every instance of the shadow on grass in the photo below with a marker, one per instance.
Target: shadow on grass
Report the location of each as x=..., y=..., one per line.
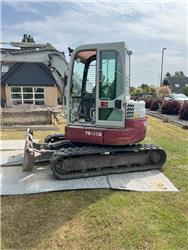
x=29, y=219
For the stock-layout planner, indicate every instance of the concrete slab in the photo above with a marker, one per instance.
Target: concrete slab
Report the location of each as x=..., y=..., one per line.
x=12, y=152
x=11, y=144
x=14, y=182
x=11, y=157
x=145, y=181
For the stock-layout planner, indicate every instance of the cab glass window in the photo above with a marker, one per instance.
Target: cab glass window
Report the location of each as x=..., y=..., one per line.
x=77, y=77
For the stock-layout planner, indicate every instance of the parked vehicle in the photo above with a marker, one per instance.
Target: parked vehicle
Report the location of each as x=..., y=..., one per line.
x=178, y=97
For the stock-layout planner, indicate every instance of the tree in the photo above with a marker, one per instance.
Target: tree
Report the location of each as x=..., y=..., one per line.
x=132, y=90
x=152, y=90
x=163, y=91
x=138, y=91
x=185, y=90
x=168, y=74
x=177, y=74
x=27, y=39
x=145, y=88
x=166, y=82
x=181, y=74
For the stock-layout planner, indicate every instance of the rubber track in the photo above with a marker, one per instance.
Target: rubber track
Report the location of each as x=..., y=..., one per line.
x=76, y=151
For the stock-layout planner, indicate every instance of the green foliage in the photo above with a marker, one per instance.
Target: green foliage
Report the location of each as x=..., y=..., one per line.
x=148, y=102
x=165, y=82
x=163, y=91
x=138, y=91
x=27, y=39
x=152, y=90
x=170, y=107
x=143, y=89
x=168, y=74
x=179, y=74
x=185, y=90
x=183, y=114
x=155, y=104
x=132, y=90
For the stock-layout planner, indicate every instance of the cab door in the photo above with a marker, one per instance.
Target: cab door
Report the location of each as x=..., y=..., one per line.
x=110, y=85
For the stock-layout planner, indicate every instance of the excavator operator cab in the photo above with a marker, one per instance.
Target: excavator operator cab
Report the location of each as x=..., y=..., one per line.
x=98, y=85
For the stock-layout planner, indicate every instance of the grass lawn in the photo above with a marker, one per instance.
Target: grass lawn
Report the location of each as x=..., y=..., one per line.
x=105, y=219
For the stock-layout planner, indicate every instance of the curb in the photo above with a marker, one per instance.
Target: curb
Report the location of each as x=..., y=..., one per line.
x=168, y=120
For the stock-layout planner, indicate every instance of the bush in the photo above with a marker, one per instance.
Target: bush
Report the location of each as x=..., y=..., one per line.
x=148, y=102
x=163, y=91
x=134, y=98
x=183, y=113
x=155, y=104
x=185, y=90
x=170, y=107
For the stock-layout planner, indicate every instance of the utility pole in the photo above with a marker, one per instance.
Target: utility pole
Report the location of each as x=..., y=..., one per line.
x=163, y=49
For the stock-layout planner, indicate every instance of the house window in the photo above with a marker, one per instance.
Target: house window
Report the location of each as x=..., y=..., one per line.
x=27, y=95
x=4, y=68
x=177, y=85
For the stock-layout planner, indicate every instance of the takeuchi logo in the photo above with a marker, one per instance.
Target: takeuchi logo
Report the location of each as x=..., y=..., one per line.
x=93, y=133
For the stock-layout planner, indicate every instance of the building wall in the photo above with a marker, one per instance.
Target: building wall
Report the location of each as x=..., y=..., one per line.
x=8, y=96
x=50, y=96
x=3, y=92
x=10, y=117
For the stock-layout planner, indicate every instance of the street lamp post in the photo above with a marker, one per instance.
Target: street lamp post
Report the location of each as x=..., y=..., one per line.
x=163, y=49
x=129, y=54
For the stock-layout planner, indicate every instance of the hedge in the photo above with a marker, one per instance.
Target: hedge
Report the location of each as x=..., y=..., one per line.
x=170, y=107
x=183, y=113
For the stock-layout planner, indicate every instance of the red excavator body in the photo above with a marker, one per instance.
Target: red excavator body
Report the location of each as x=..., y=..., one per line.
x=133, y=132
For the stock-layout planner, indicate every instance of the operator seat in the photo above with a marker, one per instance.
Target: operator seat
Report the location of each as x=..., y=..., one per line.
x=87, y=102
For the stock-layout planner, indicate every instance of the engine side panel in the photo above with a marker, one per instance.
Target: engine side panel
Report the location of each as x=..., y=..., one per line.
x=134, y=131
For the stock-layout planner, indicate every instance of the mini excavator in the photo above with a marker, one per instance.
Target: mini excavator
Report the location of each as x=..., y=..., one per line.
x=104, y=127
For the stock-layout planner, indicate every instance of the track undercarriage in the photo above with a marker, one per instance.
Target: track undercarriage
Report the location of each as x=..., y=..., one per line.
x=74, y=160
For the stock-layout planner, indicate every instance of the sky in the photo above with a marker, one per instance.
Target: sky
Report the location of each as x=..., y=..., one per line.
x=146, y=27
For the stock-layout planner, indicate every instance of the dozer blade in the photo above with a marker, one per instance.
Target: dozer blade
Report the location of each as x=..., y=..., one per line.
x=34, y=152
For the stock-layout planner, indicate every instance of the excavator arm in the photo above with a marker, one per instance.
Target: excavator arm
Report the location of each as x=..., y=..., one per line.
x=40, y=53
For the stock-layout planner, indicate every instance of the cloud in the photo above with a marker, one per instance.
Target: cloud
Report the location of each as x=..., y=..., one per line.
x=21, y=6
x=145, y=26
x=156, y=21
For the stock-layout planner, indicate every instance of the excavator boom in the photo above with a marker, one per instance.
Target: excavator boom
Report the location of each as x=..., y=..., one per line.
x=40, y=53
